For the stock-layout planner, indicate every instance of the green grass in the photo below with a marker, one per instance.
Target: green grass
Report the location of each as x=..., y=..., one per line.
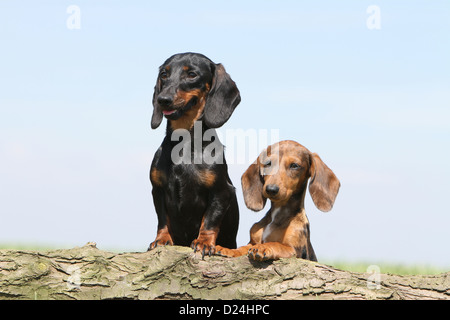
x=30, y=247
x=387, y=267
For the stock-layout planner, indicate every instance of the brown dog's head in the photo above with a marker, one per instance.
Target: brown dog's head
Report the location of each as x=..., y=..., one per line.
x=190, y=85
x=282, y=170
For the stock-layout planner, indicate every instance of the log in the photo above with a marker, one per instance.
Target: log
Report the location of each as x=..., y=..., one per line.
x=174, y=272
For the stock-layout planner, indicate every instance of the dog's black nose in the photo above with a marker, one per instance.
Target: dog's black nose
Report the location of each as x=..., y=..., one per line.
x=165, y=101
x=272, y=189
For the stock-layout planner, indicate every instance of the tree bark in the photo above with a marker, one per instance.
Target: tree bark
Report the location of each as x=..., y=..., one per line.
x=177, y=273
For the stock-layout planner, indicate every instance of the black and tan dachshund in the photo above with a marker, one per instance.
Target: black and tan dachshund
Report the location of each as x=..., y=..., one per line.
x=194, y=198
x=281, y=174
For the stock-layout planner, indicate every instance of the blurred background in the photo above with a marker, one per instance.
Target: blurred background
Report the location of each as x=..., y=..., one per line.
x=365, y=84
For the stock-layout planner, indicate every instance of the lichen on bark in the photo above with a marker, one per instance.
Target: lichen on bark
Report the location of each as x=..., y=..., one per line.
x=178, y=273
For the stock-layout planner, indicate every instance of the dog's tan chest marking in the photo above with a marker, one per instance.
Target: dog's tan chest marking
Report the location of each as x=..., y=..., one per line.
x=285, y=228
x=157, y=177
x=206, y=177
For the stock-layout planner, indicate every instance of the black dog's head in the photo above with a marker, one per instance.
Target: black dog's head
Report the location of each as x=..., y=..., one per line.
x=190, y=85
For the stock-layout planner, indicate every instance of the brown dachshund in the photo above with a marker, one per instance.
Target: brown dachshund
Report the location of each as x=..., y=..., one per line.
x=281, y=173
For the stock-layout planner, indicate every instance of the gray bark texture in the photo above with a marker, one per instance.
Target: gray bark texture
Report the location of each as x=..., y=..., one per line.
x=174, y=272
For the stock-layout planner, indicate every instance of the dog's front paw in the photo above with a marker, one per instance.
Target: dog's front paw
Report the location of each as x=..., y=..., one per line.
x=160, y=242
x=232, y=253
x=260, y=252
x=205, y=246
x=224, y=252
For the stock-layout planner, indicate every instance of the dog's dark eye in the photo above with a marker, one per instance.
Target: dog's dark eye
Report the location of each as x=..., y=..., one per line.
x=267, y=164
x=191, y=75
x=295, y=166
x=163, y=75
x=266, y=167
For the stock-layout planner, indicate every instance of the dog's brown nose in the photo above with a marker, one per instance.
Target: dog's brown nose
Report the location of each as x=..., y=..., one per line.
x=272, y=189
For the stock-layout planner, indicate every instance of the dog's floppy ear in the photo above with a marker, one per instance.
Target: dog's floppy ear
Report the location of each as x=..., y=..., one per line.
x=157, y=113
x=222, y=99
x=324, y=185
x=252, y=187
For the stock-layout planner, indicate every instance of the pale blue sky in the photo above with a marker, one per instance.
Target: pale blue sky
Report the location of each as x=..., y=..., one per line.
x=75, y=107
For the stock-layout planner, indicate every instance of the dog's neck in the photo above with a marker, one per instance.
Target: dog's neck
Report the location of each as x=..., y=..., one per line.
x=295, y=204
x=190, y=127
x=198, y=145
x=198, y=133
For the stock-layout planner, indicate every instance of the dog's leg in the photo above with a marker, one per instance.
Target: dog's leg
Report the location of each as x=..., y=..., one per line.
x=241, y=251
x=271, y=251
x=212, y=219
x=256, y=232
x=163, y=236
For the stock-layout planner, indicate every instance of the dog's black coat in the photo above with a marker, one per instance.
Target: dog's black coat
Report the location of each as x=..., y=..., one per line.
x=195, y=202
